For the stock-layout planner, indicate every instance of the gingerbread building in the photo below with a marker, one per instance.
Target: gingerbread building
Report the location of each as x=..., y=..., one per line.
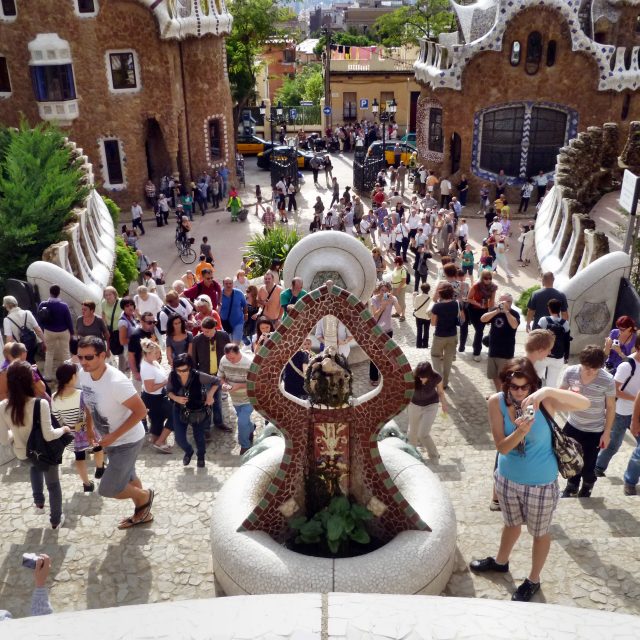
x=140, y=85
x=519, y=79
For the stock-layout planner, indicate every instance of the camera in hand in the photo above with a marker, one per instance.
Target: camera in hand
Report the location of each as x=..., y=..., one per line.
x=501, y=306
x=530, y=412
x=30, y=560
x=616, y=343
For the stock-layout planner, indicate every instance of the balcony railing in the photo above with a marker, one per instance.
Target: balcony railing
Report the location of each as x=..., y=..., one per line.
x=383, y=65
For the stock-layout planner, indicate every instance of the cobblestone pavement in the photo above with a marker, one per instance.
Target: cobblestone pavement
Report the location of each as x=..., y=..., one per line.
x=595, y=555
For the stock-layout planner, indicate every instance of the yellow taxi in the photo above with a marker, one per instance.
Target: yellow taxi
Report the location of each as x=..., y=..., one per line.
x=406, y=149
x=251, y=145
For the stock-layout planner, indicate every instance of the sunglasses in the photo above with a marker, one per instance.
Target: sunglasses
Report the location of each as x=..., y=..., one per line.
x=519, y=387
x=87, y=358
x=234, y=349
x=182, y=370
x=149, y=321
x=485, y=278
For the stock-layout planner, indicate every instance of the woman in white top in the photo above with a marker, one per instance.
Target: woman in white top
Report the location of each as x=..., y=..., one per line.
x=68, y=408
x=16, y=421
x=154, y=395
x=158, y=278
x=15, y=320
x=241, y=282
x=146, y=301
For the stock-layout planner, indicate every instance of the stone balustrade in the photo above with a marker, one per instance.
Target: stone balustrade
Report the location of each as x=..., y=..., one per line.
x=567, y=242
x=180, y=19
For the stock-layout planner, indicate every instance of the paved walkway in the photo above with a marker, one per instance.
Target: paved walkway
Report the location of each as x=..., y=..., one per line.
x=594, y=560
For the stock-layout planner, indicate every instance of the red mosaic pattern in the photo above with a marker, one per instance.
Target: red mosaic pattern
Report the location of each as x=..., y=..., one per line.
x=368, y=476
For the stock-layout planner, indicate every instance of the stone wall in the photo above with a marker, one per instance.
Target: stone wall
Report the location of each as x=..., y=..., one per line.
x=181, y=84
x=488, y=79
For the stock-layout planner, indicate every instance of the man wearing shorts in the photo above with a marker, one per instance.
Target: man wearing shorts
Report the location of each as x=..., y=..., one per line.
x=116, y=411
x=504, y=323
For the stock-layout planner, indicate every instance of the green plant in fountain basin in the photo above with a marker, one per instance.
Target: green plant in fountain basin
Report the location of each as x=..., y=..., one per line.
x=525, y=296
x=336, y=526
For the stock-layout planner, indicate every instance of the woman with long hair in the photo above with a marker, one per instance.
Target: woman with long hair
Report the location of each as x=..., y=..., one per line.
x=68, y=409
x=264, y=328
x=620, y=343
x=423, y=408
x=154, y=395
x=192, y=405
x=179, y=340
x=526, y=479
x=253, y=312
x=16, y=422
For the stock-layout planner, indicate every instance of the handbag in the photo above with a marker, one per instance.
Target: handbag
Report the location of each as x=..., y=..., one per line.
x=192, y=416
x=568, y=450
x=114, y=337
x=42, y=453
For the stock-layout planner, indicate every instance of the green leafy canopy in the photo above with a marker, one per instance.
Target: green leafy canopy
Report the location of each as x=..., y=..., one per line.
x=40, y=185
x=308, y=84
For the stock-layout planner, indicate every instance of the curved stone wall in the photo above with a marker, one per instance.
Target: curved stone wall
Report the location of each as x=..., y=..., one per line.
x=251, y=562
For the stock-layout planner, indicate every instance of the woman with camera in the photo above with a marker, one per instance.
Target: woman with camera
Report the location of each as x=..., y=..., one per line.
x=526, y=479
x=18, y=413
x=187, y=388
x=620, y=343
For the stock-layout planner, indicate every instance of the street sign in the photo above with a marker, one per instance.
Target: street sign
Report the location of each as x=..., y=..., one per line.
x=326, y=111
x=306, y=103
x=364, y=103
x=292, y=113
x=629, y=191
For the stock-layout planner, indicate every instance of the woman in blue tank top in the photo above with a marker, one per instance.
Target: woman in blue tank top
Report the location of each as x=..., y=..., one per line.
x=526, y=477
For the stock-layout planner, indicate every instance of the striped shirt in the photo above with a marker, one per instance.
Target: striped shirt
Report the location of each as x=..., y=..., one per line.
x=590, y=420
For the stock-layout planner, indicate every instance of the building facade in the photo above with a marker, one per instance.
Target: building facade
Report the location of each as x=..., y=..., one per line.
x=519, y=79
x=141, y=85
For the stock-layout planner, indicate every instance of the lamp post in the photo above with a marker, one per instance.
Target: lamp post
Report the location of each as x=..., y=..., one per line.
x=271, y=118
x=385, y=117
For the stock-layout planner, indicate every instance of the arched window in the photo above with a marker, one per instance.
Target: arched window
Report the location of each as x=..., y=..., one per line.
x=435, y=130
x=534, y=53
x=514, y=59
x=626, y=103
x=551, y=53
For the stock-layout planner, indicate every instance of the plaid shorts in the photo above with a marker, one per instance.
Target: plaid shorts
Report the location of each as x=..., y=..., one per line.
x=533, y=505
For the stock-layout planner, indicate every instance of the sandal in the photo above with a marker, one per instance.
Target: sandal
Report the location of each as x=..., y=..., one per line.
x=127, y=523
x=144, y=510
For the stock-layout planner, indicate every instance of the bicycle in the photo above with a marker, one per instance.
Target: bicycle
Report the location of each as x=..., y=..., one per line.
x=186, y=253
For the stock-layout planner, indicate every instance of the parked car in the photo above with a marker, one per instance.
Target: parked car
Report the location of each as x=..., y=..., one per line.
x=252, y=145
x=304, y=157
x=410, y=138
x=375, y=149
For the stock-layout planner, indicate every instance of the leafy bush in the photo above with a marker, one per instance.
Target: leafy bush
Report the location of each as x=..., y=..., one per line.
x=114, y=210
x=336, y=525
x=525, y=296
x=125, y=269
x=263, y=250
x=40, y=184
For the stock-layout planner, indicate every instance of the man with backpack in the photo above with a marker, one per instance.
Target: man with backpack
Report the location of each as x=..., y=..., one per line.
x=550, y=369
x=20, y=326
x=55, y=319
x=627, y=380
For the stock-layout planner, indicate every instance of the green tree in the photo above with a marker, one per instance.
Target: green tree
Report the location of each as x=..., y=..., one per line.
x=314, y=87
x=350, y=38
x=425, y=19
x=254, y=22
x=308, y=84
x=40, y=184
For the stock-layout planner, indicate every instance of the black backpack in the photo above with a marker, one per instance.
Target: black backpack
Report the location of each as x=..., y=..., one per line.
x=562, y=337
x=27, y=336
x=45, y=454
x=44, y=313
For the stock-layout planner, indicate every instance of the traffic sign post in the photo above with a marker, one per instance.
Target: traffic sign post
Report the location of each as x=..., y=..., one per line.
x=364, y=103
x=326, y=111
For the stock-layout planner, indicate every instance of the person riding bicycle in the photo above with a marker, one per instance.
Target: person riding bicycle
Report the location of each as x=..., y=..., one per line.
x=182, y=232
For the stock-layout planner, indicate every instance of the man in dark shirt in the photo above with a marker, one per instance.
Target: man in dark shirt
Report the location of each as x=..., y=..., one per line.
x=55, y=319
x=208, y=350
x=147, y=329
x=502, y=336
x=539, y=302
x=209, y=287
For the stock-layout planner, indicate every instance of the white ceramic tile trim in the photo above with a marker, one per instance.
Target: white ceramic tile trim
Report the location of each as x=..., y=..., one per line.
x=413, y=562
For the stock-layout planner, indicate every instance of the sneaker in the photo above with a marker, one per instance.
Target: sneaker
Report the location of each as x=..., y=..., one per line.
x=88, y=488
x=494, y=505
x=61, y=523
x=200, y=463
x=162, y=448
x=630, y=490
x=600, y=473
x=585, y=490
x=38, y=510
x=488, y=564
x=526, y=591
x=476, y=358
x=570, y=492
x=187, y=459
x=99, y=473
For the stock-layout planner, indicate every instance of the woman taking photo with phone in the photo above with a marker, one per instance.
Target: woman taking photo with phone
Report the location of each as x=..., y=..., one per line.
x=17, y=414
x=526, y=479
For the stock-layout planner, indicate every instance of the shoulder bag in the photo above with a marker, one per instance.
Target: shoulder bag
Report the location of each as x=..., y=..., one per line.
x=192, y=416
x=42, y=453
x=420, y=307
x=114, y=337
x=568, y=450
